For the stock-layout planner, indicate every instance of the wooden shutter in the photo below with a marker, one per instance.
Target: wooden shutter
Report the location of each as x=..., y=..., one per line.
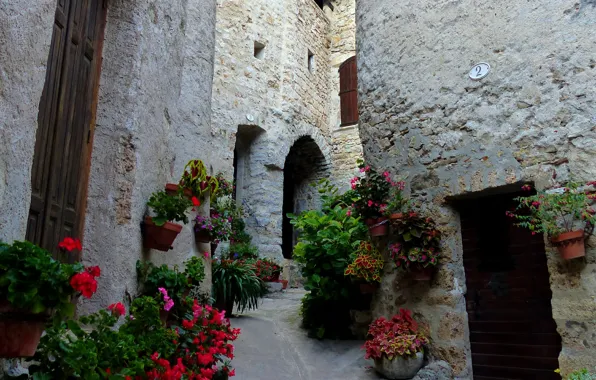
x=65, y=123
x=348, y=92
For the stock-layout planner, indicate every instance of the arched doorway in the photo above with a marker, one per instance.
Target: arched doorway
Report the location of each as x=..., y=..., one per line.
x=304, y=165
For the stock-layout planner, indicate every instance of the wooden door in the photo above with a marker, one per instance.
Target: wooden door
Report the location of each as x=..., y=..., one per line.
x=512, y=332
x=65, y=123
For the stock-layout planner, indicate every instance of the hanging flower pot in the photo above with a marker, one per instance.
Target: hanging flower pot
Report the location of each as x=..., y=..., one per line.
x=20, y=331
x=368, y=288
x=202, y=236
x=377, y=227
x=173, y=188
x=422, y=274
x=160, y=237
x=570, y=244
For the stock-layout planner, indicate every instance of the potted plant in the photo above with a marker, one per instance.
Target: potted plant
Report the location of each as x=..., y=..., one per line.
x=366, y=267
x=196, y=180
x=151, y=278
x=398, y=204
x=565, y=216
x=396, y=345
x=159, y=232
x=34, y=287
x=175, y=188
x=371, y=191
x=215, y=228
x=417, y=247
x=267, y=270
x=235, y=282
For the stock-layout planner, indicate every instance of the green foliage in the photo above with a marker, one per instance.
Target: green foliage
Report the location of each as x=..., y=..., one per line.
x=372, y=192
x=555, y=213
x=195, y=178
x=194, y=270
x=241, y=251
x=582, y=374
x=152, y=278
x=237, y=280
x=367, y=265
x=417, y=242
x=226, y=188
x=169, y=207
x=31, y=279
x=326, y=242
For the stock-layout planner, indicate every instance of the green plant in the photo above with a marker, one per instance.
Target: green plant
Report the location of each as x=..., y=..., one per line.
x=398, y=202
x=554, y=213
x=236, y=280
x=168, y=207
x=371, y=191
x=194, y=270
x=367, y=265
x=152, y=278
x=267, y=270
x=241, y=251
x=417, y=241
x=582, y=374
x=326, y=242
x=218, y=226
x=31, y=279
x=196, y=179
x=226, y=188
x=398, y=337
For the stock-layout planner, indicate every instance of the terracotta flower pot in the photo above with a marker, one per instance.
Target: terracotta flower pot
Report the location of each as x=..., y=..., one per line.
x=570, y=244
x=172, y=189
x=202, y=236
x=284, y=284
x=377, y=229
x=396, y=216
x=160, y=237
x=422, y=274
x=399, y=367
x=20, y=331
x=368, y=288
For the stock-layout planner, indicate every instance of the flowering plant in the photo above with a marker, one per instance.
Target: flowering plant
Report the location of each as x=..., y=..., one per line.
x=195, y=178
x=398, y=337
x=398, y=202
x=218, y=226
x=418, y=242
x=267, y=270
x=226, y=188
x=372, y=191
x=168, y=207
x=368, y=264
x=31, y=279
x=153, y=278
x=556, y=212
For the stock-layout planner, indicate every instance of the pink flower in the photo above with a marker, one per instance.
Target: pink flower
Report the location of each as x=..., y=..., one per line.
x=206, y=254
x=349, y=213
x=535, y=203
x=370, y=203
x=169, y=304
x=527, y=188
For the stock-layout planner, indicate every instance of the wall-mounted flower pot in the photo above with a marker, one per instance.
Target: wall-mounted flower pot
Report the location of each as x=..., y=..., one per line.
x=368, y=288
x=570, y=244
x=399, y=367
x=202, y=236
x=172, y=189
x=160, y=237
x=422, y=274
x=20, y=331
x=376, y=228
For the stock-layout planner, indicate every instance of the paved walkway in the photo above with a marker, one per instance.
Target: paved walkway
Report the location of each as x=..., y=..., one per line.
x=273, y=347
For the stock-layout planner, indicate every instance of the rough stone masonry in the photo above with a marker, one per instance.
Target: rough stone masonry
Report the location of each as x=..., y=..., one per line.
x=533, y=118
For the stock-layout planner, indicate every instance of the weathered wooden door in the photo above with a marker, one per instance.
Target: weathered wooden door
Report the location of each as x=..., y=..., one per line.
x=512, y=331
x=65, y=123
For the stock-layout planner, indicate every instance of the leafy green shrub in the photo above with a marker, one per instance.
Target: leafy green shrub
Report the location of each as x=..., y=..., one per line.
x=169, y=207
x=236, y=280
x=326, y=242
x=582, y=374
x=194, y=270
x=241, y=251
x=152, y=278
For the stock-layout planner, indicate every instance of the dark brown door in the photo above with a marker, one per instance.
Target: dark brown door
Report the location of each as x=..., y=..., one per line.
x=65, y=123
x=348, y=92
x=512, y=332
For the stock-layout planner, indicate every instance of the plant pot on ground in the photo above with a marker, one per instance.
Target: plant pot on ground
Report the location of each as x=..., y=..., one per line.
x=284, y=284
x=396, y=345
x=158, y=231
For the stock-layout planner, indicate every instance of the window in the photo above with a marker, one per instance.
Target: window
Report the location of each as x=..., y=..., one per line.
x=311, y=61
x=259, y=50
x=348, y=92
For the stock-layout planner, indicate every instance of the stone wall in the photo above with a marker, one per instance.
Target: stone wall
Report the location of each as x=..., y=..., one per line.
x=531, y=119
x=25, y=35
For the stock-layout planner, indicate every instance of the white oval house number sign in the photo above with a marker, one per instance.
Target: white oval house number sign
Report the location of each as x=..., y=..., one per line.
x=480, y=71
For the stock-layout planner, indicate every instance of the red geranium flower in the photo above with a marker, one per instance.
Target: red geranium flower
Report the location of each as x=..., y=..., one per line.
x=93, y=271
x=69, y=244
x=84, y=283
x=117, y=309
x=195, y=201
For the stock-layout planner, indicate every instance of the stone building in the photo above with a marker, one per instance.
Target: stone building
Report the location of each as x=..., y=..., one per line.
x=465, y=147
x=104, y=102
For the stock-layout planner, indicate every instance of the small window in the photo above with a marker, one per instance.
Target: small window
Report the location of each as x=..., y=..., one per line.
x=311, y=61
x=348, y=92
x=259, y=50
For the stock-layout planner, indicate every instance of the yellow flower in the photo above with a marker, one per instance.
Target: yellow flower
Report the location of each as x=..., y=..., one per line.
x=557, y=370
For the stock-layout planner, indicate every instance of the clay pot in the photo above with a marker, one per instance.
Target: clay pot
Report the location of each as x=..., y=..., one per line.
x=202, y=236
x=172, y=189
x=396, y=216
x=368, y=288
x=284, y=284
x=422, y=274
x=399, y=367
x=160, y=237
x=20, y=331
x=570, y=244
x=377, y=229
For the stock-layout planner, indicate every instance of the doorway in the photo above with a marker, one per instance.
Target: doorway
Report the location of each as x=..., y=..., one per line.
x=512, y=331
x=66, y=120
